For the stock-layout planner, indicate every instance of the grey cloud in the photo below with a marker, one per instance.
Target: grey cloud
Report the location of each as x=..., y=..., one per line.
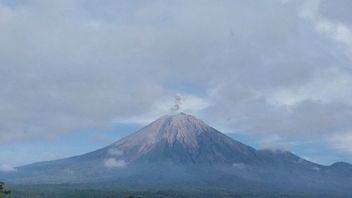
x=80, y=64
x=337, y=11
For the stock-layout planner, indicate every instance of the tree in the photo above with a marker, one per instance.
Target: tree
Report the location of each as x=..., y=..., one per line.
x=3, y=192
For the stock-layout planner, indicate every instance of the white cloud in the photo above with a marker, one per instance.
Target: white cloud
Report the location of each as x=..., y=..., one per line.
x=68, y=171
x=7, y=168
x=263, y=67
x=239, y=165
x=331, y=85
x=114, y=163
x=275, y=144
x=316, y=168
x=337, y=30
x=341, y=141
x=115, y=152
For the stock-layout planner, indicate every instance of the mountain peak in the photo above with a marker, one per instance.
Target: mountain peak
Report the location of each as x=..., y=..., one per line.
x=182, y=138
x=179, y=127
x=180, y=120
x=179, y=116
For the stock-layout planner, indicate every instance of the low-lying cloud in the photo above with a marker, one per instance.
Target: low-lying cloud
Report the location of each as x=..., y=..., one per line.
x=7, y=168
x=114, y=163
x=115, y=152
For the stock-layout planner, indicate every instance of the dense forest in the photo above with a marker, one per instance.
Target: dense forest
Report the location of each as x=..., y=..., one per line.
x=79, y=191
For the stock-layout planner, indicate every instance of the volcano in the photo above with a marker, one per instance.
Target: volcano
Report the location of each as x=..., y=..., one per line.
x=182, y=139
x=181, y=151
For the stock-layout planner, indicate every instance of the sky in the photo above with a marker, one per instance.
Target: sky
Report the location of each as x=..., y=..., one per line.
x=76, y=75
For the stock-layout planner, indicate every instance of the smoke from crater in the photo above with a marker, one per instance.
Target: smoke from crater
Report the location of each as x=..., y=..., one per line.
x=178, y=103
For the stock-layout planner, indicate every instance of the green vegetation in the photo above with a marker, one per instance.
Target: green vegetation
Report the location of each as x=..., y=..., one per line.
x=97, y=191
x=157, y=194
x=3, y=192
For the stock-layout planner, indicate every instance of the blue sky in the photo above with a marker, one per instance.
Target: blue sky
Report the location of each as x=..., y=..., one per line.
x=76, y=75
x=66, y=145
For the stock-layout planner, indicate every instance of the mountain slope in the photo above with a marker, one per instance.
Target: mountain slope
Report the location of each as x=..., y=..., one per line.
x=182, y=151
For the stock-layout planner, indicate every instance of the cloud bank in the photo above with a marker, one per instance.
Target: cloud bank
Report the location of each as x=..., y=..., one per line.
x=271, y=67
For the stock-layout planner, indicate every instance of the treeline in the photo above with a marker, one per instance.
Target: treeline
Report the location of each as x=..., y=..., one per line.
x=84, y=191
x=4, y=193
x=92, y=193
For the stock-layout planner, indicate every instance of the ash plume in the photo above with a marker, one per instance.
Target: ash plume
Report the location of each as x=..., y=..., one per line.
x=178, y=103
